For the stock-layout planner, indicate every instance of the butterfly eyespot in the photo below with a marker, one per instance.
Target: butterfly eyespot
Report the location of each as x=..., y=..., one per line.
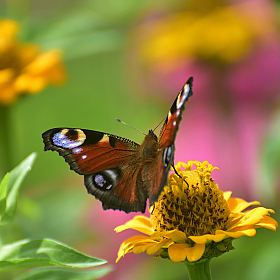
x=174, y=123
x=104, y=180
x=101, y=182
x=84, y=156
x=69, y=138
x=167, y=156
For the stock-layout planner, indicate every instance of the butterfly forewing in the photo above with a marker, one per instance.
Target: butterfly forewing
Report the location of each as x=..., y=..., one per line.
x=117, y=171
x=166, y=141
x=89, y=151
x=174, y=116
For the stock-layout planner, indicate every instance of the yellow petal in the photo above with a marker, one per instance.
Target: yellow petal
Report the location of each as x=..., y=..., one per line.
x=154, y=248
x=268, y=222
x=128, y=245
x=8, y=28
x=238, y=232
x=136, y=238
x=46, y=65
x=140, y=223
x=124, y=250
x=252, y=217
x=150, y=247
x=130, y=242
x=179, y=252
x=195, y=253
x=6, y=75
x=8, y=95
x=227, y=195
x=238, y=204
x=176, y=235
x=30, y=84
x=204, y=238
x=43, y=62
x=141, y=247
x=143, y=220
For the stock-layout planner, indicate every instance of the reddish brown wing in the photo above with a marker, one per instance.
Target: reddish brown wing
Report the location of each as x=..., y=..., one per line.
x=166, y=141
x=89, y=151
x=174, y=116
x=108, y=162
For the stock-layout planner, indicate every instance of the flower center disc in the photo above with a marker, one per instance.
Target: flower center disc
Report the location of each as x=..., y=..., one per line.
x=196, y=208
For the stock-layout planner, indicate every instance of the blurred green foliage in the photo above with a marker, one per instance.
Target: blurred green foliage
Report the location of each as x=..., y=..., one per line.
x=93, y=36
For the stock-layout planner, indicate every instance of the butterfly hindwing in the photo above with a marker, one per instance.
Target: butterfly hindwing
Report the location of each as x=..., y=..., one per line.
x=127, y=194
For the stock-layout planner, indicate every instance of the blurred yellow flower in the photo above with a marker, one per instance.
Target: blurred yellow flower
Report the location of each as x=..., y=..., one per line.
x=221, y=34
x=193, y=219
x=23, y=69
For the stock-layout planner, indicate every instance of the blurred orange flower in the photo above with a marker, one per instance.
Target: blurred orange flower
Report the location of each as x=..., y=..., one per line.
x=23, y=69
x=193, y=219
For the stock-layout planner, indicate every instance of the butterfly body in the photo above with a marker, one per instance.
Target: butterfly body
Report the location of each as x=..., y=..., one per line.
x=117, y=171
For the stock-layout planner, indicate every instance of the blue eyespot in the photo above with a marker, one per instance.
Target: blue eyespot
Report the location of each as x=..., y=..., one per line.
x=61, y=140
x=100, y=180
x=167, y=156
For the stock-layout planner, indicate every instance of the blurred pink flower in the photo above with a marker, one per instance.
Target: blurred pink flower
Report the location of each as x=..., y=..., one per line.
x=102, y=225
x=227, y=116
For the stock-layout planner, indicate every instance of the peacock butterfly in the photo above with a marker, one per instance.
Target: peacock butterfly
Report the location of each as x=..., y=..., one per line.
x=119, y=172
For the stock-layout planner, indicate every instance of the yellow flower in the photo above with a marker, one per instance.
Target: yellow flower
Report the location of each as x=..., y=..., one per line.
x=23, y=69
x=222, y=34
x=193, y=219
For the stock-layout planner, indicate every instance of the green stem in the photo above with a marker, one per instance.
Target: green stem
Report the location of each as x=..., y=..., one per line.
x=5, y=140
x=199, y=270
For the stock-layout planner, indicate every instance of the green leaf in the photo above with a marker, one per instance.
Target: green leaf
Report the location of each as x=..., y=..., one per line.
x=3, y=193
x=62, y=273
x=44, y=252
x=9, y=196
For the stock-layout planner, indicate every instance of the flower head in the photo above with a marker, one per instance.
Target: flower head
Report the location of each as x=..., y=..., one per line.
x=193, y=218
x=23, y=69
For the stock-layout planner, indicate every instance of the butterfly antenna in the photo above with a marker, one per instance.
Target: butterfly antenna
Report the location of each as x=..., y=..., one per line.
x=159, y=123
x=179, y=174
x=130, y=126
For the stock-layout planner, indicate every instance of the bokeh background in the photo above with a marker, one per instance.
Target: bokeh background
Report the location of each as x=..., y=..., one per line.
x=128, y=59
